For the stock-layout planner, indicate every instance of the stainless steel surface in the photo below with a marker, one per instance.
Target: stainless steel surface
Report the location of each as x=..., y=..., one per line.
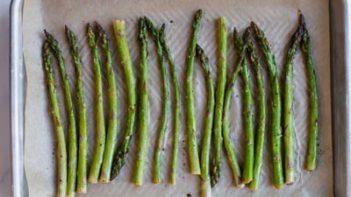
x=17, y=99
x=341, y=87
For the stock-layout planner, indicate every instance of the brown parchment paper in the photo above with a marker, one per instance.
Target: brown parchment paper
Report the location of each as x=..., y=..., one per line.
x=278, y=18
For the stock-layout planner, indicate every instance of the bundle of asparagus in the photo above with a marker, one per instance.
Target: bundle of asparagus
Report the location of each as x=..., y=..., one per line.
x=108, y=158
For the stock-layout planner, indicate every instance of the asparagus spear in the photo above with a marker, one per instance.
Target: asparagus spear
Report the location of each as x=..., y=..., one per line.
x=288, y=107
x=206, y=140
x=247, y=114
x=176, y=107
x=189, y=91
x=71, y=122
x=220, y=91
x=112, y=123
x=278, y=179
x=165, y=105
x=261, y=106
x=82, y=115
x=123, y=51
x=233, y=162
x=99, y=109
x=143, y=106
x=61, y=155
x=313, y=100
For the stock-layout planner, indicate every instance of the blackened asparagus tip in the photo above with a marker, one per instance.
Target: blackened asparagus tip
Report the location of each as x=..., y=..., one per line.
x=302, y=20
x=163, y=26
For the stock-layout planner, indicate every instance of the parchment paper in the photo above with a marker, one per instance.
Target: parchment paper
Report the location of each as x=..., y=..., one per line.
x=277, y=18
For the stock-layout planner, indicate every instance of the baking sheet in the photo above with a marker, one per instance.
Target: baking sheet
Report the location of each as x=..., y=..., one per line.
x=277, y=18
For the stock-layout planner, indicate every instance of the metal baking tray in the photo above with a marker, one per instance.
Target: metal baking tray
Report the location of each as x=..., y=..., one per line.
x=340, y=53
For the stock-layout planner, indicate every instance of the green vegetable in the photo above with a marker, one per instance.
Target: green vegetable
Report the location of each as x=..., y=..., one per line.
x=220, y=91
x=61, y=154
x=100, y=134
x=288, y=107
x=247, y=114
x=228, y=145
x=261, y=111
x=82, y=115
x=176, y=107
x=206, y=139
x=313, y=100
x=278, y=179
x=189, y=91
x=71, y=121
x=112, y=123
x=126, y=61
x=166, y=103
x=143, y=119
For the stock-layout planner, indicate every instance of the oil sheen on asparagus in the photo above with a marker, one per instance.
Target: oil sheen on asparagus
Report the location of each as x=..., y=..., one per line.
x=208, y=123
x=71, y=121
x=220, y=91
x=176, y=107
x=261, y=111
x=100, y=132
x=61, y=152
x=194, y=160
x=228, y=145
x=112, y=123
x=278, y=178
x=289, y=160
x=143, y=120
x=165, y=104
x=311, y=160
x=126, y=61
x=247, y=113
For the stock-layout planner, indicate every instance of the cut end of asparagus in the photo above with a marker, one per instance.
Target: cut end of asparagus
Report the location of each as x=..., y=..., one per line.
x=310, y=167
x=104, y=181
x=246, y=181
x=205, y=189
x=156, y=181
x=92, y=180
x=240, y=185
x=70, y=194
x=119, y=27
x=82, y=190
x=173, y=181
x=198, y=14
x=278, y=186
x=195, y=171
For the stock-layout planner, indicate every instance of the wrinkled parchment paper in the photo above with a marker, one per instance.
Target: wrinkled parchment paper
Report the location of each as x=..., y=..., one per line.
x=277, y=18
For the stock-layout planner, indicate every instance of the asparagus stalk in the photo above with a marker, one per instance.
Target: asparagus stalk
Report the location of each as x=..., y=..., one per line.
x=112, y=97
x=165, y=105
x=71, y=121
x=288, y=107
x=278, y=179
x=220, y=91
x=206, y=139
x=123, y=51
x=228, y=145
x=261, y=110
x=100, y=134
x=82, y=115
x=247, y=114
x=189, y=91
x=313, y=100
x=61, y=155
x=176, y=107
x=143, y=106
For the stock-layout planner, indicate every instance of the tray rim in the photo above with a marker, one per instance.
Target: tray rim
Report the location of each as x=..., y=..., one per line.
x=340, y=39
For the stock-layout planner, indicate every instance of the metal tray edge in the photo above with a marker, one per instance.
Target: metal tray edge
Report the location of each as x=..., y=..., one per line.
x=340, y=50
x=17, y=89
